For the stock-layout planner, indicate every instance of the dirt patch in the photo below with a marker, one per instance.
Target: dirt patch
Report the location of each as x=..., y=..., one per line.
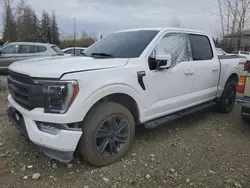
x=203, y=150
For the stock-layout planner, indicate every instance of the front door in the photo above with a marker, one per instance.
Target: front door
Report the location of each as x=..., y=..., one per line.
x=169, y=89
x=8, y=55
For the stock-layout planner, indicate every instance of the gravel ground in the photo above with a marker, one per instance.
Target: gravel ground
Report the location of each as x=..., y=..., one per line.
x=3, y=87
x=202, y=150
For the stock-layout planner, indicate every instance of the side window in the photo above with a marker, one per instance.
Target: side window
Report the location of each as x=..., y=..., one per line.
x=245, y=53
x=26, y=49
x=40, y=49
x=78, y=51
x=177, y=45
x=201, y=47
x=69, y=51
x=10, y=49
x=32, y=49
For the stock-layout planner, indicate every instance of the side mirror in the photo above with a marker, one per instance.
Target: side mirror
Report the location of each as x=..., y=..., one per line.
x=164, y=61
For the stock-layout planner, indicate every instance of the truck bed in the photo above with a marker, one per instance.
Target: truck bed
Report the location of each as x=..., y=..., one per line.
x=226, y=62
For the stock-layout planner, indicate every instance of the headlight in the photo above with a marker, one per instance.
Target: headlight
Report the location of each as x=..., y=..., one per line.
x=59, y=95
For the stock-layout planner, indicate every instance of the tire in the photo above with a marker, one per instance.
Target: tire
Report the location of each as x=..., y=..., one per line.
x=245, y=118
x=227, y=100
x=96, y=124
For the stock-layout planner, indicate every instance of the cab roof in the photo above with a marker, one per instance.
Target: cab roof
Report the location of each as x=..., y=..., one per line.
x=163, y=29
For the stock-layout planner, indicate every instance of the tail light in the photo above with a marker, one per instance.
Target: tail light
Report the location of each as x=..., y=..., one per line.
x=245, y=65
x=53, y=55
x=241, y=84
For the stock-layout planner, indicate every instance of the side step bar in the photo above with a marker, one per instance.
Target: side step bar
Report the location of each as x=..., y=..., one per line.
x=177, y=115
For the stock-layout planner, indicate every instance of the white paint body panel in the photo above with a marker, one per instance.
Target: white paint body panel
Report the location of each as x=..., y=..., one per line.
x=167, y=91
x=63, y=141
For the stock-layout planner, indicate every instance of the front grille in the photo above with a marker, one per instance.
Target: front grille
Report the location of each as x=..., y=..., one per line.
x=25, y=91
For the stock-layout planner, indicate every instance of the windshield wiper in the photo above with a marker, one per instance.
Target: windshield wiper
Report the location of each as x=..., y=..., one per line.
x=103, y=55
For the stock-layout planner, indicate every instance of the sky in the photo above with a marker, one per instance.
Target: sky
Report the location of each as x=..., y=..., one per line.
x=106, y=16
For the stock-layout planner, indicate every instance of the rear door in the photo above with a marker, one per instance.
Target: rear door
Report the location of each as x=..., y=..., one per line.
x=205, y=67
x=25, y=51
x=40, y=50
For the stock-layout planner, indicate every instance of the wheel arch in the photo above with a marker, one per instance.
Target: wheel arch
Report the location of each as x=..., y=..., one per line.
x=122, y=94
x=232, y=74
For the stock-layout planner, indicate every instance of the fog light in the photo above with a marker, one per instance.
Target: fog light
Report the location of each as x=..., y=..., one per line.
x=48, y=128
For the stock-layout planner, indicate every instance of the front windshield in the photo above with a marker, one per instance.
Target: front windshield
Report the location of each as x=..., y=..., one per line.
x=128, y=44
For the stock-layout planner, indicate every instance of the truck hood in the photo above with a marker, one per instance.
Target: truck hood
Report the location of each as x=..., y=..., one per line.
x=55, y=67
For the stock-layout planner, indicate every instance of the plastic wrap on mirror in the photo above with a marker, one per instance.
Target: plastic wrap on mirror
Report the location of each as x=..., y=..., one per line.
x=177, y=45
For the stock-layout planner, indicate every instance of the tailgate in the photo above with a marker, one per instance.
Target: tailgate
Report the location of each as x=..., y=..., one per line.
x=247, y=84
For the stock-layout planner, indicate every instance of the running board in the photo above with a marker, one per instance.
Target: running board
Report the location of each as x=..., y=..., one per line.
x=166, y=119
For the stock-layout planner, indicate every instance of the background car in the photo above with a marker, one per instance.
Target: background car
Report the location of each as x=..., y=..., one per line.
x=243, y=53
x=73, y=50
x=17, y=51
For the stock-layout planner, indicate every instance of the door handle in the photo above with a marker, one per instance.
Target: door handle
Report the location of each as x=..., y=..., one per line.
x=186, y=72
x=189, y=72
x=215, y=69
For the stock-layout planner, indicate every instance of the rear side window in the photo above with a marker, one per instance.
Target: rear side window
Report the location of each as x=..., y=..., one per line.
x=78, y=51
x=70, y=51
x=245, y=53
x=26, y=49
x=57, y=49
x=235, y=52
x=201, y=47
x=40, y=49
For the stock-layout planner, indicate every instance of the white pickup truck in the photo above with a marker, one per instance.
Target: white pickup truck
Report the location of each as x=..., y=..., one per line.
x=92, y=103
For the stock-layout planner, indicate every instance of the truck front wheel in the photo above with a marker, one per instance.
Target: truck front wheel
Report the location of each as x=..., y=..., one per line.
x=108, y=133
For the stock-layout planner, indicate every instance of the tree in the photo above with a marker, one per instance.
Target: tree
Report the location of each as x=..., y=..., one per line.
x=234, y=16
x=9, y=31
x=55, y=30
x=27, y=23
x=36, y=28
x=46, y=28
x=19, y=17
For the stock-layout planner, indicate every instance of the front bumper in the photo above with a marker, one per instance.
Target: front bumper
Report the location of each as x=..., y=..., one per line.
x=60, y=146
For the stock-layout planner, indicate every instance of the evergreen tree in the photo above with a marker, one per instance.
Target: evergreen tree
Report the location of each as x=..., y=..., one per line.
x=46, y=28
x=27, y=23
x=37, y=28
x=55, y=29
x=9, y=31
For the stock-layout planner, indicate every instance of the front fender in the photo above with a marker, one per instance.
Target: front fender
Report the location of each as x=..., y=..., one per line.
x=108, y=90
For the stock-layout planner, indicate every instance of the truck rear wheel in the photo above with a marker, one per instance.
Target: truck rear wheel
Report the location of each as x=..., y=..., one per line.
x=108, y=133
x=227, y=100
